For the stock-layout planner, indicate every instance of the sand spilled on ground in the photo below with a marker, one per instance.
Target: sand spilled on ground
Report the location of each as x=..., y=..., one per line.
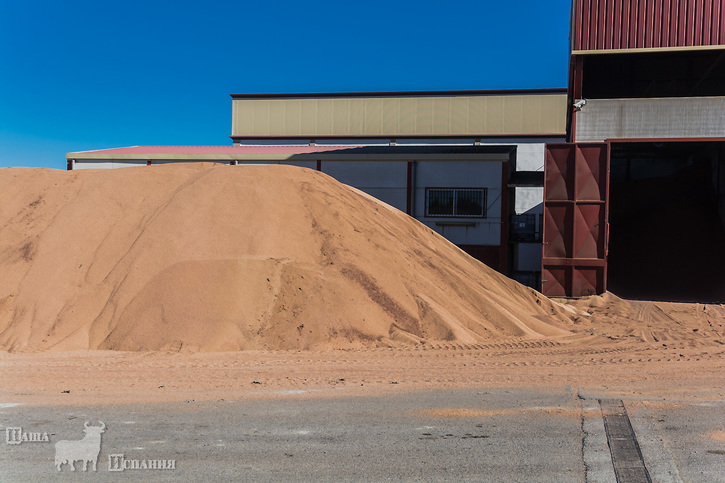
x=203, y=257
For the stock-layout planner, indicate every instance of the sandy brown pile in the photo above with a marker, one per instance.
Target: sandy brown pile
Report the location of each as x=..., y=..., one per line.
x=204, y=257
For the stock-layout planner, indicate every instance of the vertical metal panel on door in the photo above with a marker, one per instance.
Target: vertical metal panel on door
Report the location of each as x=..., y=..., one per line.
x=576, y=211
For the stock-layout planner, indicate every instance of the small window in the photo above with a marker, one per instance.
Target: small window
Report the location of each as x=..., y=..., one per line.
x=457, y=202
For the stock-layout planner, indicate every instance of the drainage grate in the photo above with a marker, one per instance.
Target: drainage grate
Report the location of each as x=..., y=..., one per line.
x=626, y=456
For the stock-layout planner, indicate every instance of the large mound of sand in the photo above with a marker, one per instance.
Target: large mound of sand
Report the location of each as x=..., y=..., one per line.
x=215, y=258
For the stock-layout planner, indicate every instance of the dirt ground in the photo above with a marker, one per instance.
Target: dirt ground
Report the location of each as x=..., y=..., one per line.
x=619, y=348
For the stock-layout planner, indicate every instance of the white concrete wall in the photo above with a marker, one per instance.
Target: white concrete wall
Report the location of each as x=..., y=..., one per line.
x=106, y=164
x=385, y=180
x=461, y=174
x=529, y=200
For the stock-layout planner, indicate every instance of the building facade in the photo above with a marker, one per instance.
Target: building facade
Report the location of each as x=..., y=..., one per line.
x=634, y=202
x=467, y=164
x=617, y=182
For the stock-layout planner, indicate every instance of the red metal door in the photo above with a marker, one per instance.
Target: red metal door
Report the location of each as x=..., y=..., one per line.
x=576, y=219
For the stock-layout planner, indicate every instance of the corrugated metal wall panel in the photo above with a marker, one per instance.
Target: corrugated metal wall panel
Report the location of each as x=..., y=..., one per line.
x=641, y=24
x=679, y=117
x=524, y=114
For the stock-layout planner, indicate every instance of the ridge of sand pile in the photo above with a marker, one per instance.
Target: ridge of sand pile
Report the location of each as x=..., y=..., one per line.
x=205, y=257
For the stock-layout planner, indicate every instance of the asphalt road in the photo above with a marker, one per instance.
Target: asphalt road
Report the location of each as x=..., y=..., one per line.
x=452, y=435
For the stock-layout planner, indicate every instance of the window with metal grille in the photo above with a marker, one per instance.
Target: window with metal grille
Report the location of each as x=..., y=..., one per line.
x=457, y=202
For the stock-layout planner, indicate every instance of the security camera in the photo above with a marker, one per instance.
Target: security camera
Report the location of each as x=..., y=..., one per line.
x=579, y=104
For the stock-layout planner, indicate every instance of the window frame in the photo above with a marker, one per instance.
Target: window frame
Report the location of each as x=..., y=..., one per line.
x=455, y=190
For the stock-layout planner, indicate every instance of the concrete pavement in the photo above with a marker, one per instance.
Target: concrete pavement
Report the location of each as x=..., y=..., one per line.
x=442, y=435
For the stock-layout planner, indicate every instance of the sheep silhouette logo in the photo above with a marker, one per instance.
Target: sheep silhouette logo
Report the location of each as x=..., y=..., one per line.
x=86, y=449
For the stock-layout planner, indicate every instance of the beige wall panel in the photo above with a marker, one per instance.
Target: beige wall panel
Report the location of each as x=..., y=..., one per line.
x=406, y=124
x=373, y=117
x=401, y=116
x=260, y=115
x=341, y=117
x=425, y=115
x=552, y=115
x=391, y=115
x=356, y=119
x=494, y=111
x=459, y=115
x=512, y=105
x=292, y=117
x=441, y=115
x=243, y=116
x=323, y=124
x=476, y=117
x=276, y=114
x=530, y=115
x=308, y=117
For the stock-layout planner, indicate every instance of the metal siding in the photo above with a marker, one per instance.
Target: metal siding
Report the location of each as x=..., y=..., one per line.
x=665, y=18
x=292, y=116
x=476, y=120
x=640, y=24
x=514, y=123
x=657, y=20
x=373, y=117
x=635, y=28
x=582, y=20
x=407, y=117
x=391, y=115
x=308, y=115
x=707, y=12
x=602, y=27
x=699, y=8
x=649, y=24
x=443, y=115
x=687, y=117
x=356, y=115
x=276, y=114
x=617, y=27
x=575, y=234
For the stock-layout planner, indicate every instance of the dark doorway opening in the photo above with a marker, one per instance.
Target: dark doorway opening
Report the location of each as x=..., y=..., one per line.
x=667, y=221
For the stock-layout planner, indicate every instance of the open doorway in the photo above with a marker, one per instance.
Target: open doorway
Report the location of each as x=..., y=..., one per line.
x=667, y=221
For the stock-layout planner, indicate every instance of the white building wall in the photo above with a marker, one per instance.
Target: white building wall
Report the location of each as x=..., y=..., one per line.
x=461, y=174
x=107, y=164
x=385, y=180
x=529, y=200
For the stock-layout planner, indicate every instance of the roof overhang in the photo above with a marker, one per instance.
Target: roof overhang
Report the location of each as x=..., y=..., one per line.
x=297, y=153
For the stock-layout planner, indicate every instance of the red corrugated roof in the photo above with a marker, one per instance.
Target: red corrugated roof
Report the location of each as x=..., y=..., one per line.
x=219, y=149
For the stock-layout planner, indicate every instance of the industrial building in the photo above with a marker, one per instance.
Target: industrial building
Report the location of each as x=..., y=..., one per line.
x=633, y=152
x=634, y=202
x=468, y=164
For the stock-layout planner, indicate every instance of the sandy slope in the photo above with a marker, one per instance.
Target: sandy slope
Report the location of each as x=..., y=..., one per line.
x=202, y=257
x=619, y=348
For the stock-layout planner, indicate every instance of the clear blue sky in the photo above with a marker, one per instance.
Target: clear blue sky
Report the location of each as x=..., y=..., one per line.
x=78, y=74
